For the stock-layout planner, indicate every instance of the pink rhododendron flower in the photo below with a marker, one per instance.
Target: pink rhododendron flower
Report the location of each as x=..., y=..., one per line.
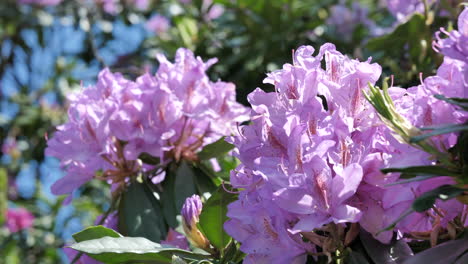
x=455, y=45
x=170, y=115
x=175, y=239
x=304, y=153
x=18, y=219
x=111, y=221
x=212, y=11
x=312, y=156
x=158, y=24
x=84, y=259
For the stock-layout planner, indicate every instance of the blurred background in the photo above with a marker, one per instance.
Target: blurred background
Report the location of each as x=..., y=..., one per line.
x=49, y=48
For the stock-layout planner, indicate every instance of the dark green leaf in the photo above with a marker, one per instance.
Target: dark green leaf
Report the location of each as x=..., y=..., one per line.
x=382, y=253
x=392, y=44
x=203, y=182
x=229, y=253
x=215, y=149
x=440, y=131
x=149, y=159
x=167, y=199
x=446, y=252
x=355, y=257
x=409, y=172
x=461, y=102
x=184, y=184
x=414, y=179
x=131, y=250
x=94, y=232
x=213, y=216
x=462, y=259
x=140, y=213
x=427, y=199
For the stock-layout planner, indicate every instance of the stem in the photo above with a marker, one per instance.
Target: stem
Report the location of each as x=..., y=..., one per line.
x=426, y=9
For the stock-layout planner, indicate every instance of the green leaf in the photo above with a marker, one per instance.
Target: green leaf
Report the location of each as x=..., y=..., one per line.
x=447, y=252
x=408, y=172
x=215, y=149
x=461, y=102
x=440, y=131
x=395, y=222
x=140, y=213
x=355, y=257
x=213, y=216
x=230, y=253
x=177, y=260
x=391, y=253
x=427, y=199
x=3, y=194
x=462, y=259
x=392, y=44
x=149, y=159
x=11, y=253
x=187, y=29
x=130, y=250
x=184, y=184
x=94, y=232
x=414, y=179
x=167, y=199
x=207, y=173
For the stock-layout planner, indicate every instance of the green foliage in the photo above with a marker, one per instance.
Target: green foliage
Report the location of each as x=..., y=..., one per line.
x=427, y=199
x=460, y=102
x=131, y=249
x=448, y=252
x=407, y=50
x=410, y=172
x=139, y=213
x=149, y=159
x=391, y=253
x=184, y=184
x=3, y=195
x=94, y=232
x=213, y=216
x=216, y=149
x=439, y=131
x=250, y=39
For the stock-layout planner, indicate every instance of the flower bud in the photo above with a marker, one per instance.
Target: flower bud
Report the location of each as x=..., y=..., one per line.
x=190, y=217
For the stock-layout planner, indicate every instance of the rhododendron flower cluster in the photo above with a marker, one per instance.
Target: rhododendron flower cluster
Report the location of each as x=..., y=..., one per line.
x=170, y=115
x=311, y=159
x=303, y=156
